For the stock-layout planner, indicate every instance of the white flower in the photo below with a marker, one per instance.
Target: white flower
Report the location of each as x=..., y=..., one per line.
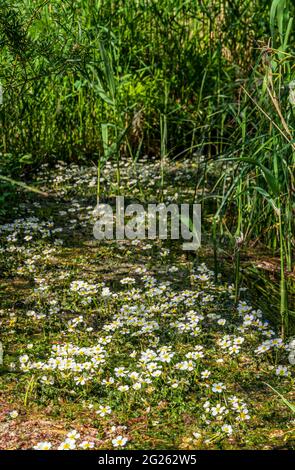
x=43, y=446
x=205, y=374
x=105, y=292
x=243, y=415
x=137, y=386
x=23, y=359
x=80, y=380
x=239, y=340
x=156, y=373
x=47, y=380
x=127, y=280
x=218, y=387
x=234, y=349
x=120, y=371
x=227, y=428
x=103, y=410
x=207, y=405
x=218, y=409
x=119, y=441
x=86, y=445
x=68, y=444
x=174, y=384
x=282, y=371
x=13, y=414
x=123, y=388
x=73, y=434
x=262, y=348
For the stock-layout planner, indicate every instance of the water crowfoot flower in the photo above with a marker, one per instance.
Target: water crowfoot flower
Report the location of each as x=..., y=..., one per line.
x=227, y=428
x=68, y=444
x=86, y=445
x=218, y=387
x=13, y=414
x=119, y=441
x=205, y=374
x=103, y=410
x=43, y=446
x=283, y=371
x=73, y=435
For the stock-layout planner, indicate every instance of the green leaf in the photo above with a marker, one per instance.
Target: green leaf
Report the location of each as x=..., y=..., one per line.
x=287, y=402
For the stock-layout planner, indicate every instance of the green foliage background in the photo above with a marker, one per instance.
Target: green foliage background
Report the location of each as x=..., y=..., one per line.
x=68, y=67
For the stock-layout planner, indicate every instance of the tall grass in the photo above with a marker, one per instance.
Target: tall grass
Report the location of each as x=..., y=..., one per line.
x=261, y=181
x=59, y=89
